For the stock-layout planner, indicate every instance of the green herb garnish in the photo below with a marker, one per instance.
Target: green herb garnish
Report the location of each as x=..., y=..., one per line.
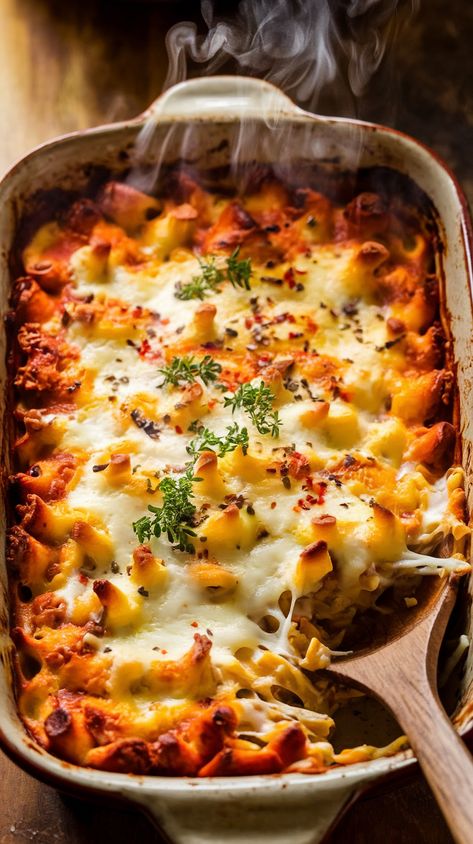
x=187, y=369
x=208, y=441
x=174, y=517
x=200, y=285
x=257, y=402
x=237, y=272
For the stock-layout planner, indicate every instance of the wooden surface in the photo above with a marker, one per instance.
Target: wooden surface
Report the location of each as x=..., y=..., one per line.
x=69, y=64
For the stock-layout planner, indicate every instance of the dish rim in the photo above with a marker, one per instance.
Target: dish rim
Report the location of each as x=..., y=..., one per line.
x=70, y=777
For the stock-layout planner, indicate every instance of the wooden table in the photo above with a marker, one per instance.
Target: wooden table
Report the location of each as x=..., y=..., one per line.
x=66, y=65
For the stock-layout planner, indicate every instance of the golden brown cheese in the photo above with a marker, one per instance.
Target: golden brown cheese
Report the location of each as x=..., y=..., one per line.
x=268, y=375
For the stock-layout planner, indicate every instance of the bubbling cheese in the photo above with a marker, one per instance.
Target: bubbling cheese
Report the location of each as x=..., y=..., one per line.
x=267, y=569
x=335, y=496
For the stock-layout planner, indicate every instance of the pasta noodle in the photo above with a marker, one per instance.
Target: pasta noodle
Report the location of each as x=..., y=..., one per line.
x=233, y=437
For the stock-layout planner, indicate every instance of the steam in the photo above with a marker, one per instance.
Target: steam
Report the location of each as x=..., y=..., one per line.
x=322, y=53
x=303, y=47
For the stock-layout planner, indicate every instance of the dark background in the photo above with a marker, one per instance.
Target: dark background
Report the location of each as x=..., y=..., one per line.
x=67, y=65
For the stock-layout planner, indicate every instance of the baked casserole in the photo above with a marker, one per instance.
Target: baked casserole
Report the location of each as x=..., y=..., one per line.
x=234, y=445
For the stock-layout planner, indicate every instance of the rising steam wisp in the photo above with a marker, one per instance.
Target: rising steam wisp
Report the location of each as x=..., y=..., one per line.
x=323, y=54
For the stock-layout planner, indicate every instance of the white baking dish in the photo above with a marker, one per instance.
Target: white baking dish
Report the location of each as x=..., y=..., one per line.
x=204, y=115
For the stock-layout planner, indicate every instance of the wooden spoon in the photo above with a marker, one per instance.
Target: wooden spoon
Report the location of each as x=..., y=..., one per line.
x=400, y=669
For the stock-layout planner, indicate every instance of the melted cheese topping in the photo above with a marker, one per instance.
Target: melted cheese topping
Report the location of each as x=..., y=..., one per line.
x=294, y=536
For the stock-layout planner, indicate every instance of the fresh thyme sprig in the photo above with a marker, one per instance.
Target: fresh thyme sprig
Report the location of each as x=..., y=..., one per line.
x=237, y=272
x=187, y=369
x=257, y=402
x=174, y=517
x=208, y=441
x=210, y=277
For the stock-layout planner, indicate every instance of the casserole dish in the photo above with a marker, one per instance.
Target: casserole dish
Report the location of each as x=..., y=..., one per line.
x=196, y=810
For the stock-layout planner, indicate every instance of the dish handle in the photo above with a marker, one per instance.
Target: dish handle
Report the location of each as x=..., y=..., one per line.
x=209, y=96
x=274, y=817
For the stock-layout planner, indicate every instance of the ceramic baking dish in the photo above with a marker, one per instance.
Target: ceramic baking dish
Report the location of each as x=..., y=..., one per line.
x=204, y=118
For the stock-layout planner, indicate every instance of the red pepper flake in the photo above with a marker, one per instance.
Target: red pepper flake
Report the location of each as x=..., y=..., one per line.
x=163, y=651
x=293, y=335
x=289, y=277
x=249, y=322
x=297, y=465
x=178, y=429
x=145, y=348
x=285, y=317
x=146, y=351
x=302, y=505
x=274, y=504
x=312, y=326
x=319, y=488
x=164, y=321
x=194, y=623
x=307, y=502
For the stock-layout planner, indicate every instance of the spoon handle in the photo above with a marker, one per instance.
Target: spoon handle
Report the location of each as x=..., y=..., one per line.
x=443, y=757
x=403, y=676
x=410, y=693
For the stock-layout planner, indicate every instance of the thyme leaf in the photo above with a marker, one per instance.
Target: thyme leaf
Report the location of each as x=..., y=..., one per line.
x=174, y=517
x=208, y=441
x=237, y=272
x=187, y=369
x=257, y=402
